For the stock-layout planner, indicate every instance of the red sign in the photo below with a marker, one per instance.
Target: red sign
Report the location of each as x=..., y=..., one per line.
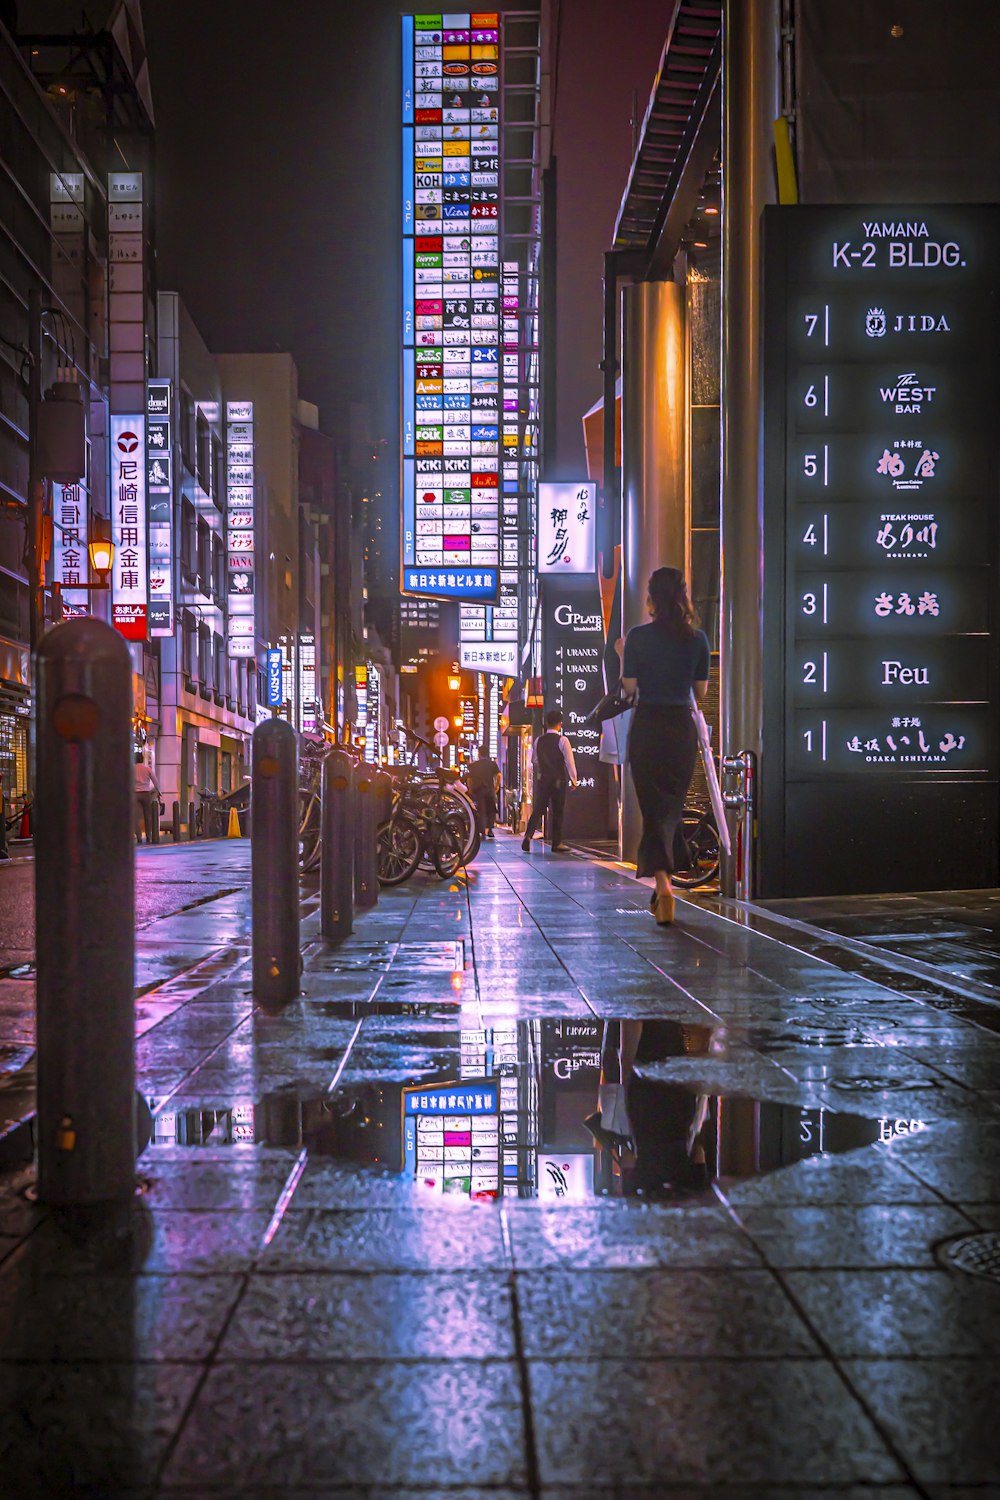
x=130, y=621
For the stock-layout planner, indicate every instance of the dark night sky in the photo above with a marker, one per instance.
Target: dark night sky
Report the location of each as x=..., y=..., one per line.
x=278, y=193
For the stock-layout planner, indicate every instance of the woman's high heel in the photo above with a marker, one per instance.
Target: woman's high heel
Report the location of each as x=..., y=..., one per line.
x=664, y=909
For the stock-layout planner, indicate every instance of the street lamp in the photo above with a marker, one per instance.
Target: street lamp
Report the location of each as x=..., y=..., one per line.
x=101, y=550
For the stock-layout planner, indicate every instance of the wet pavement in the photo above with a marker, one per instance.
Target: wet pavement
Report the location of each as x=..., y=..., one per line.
x=402, y=1241
x=192, y=925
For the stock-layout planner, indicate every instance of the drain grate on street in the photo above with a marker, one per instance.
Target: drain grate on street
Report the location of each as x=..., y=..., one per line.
x=975, y=1254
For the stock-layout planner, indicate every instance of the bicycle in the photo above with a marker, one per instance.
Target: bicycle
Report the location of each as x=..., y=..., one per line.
x=310, y=806
x=462, y=806
x=425, y=820
x=702, y=838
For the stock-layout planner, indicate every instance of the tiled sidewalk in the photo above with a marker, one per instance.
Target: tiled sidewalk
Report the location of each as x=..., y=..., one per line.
x=287, y=1311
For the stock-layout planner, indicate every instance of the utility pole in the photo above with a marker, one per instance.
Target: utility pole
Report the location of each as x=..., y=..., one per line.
x=34, y=549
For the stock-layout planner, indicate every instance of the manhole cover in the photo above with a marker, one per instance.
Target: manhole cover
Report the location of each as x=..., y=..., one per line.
x=975, y=1254
x=873, y=1083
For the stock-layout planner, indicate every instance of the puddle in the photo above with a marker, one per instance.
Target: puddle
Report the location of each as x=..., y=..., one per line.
x=537, y=1110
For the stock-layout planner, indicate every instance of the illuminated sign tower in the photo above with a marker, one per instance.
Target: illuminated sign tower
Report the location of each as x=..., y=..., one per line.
x=451, y=336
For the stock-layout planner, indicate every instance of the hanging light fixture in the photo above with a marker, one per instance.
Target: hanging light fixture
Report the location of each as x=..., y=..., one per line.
x=101, y=550
x=534, y=693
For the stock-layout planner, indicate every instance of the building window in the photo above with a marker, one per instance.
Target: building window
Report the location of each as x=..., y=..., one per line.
x=218, y=570
x=205, y=660
x=187, y=431
x=204, y=556
x=189, y=541
x=219, y=664
x=203, y=454
x=251, y=690
x=218, y=474
x=190, y=649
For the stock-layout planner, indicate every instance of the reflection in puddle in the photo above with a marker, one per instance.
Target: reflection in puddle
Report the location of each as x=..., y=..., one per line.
x=559, y=1110
x=353, y=1010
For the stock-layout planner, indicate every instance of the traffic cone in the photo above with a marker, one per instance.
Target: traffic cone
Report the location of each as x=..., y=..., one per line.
x=234, y=825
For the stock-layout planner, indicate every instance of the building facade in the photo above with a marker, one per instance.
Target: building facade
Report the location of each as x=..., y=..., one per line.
x=207, y=699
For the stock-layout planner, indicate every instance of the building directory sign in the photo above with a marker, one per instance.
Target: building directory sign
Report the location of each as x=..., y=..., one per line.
x=451, y=334
x=880, y=371
x=130, y=570
x=573, y=636
x=240, y=529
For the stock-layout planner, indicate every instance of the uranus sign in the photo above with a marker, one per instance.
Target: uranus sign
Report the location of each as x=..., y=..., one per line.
x=274, y=670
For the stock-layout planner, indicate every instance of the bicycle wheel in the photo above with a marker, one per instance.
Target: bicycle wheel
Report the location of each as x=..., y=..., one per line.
x=310, y=831
x=446, y=850
x=702, y=838
x=461, y=813
x=399, y=849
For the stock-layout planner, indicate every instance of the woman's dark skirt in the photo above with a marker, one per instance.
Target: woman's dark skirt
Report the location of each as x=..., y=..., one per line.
x=662, y=749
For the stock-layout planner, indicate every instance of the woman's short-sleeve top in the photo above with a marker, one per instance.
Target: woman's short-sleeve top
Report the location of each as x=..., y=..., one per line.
x=665, y=667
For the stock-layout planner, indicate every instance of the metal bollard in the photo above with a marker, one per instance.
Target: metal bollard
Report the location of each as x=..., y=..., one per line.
x=274, y=847
x=176, y=821
x=191, y=825
x=336, y=888
x=365, y=833
x=156, y=821
x=85, y=923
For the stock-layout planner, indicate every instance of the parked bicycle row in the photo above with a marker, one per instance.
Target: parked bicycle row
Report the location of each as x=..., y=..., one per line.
x=425, y=819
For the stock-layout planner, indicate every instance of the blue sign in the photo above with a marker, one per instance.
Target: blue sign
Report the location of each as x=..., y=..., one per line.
x=452, y=583
x=481, y=1097
x=274, y=670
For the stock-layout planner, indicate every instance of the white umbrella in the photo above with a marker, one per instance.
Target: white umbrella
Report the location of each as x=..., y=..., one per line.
x=711, y=776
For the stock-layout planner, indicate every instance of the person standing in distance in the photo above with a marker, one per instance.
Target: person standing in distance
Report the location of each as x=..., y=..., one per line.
x=482, y=781
x=662, y=663
x=145, y=786
x=554, y=766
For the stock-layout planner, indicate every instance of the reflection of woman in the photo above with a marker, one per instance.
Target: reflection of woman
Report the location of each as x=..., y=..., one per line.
x=665, y=660
x=653, y=1128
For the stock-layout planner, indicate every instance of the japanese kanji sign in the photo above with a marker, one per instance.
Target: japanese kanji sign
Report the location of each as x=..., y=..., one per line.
x=130, y=572
x=567, y=527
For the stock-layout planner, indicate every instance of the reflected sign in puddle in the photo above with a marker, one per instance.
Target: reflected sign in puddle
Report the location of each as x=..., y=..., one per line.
x=559, y=1110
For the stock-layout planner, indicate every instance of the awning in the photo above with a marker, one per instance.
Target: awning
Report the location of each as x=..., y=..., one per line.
x=593, y=435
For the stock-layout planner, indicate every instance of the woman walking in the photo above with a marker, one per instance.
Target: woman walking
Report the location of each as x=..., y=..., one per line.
x=663, y=661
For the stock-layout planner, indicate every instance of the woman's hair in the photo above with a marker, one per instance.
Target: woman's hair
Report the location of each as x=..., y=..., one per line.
x=138, y=757
x=671, y=606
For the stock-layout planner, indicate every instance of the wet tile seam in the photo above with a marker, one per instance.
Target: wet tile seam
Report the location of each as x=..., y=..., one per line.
x=521, y=1360
x=191, y=905
x=826, y=1349
x=826, y=938
x=206, y=1367
x=620, y=938
x=545, y=938
x=884, y=1434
